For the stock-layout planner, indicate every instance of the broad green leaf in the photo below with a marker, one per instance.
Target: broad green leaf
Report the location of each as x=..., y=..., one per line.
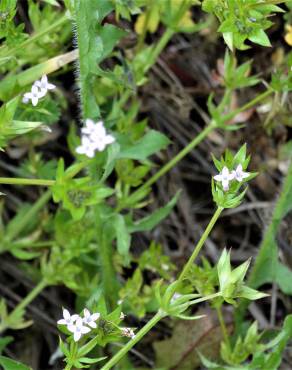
x=149, y=222
x=9, y=364
x=149, y=144
x=123, y=235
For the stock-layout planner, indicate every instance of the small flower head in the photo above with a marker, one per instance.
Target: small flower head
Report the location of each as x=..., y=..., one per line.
x=224, y=177
x=34, y=96
x=94, y=138
x=239, y=174
x=44, y=85
x=67, y=318
x=89, y=319
x=128, y=332
x=78, y=329
x=87, y=147
x=38, y=90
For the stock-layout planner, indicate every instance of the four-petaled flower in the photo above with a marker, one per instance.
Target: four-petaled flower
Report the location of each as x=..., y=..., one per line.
x=33, y=95
x=94, y=137
x=78, y=329
x=67, y=318
x=239, y=174
x=44, y=85
x=38, y=90
x=89, y=319
x=224, y=177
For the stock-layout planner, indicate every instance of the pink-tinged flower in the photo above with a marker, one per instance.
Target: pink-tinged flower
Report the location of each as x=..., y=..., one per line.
x=89, y=319
x=67, y=318
x=239, y=174
x=78, y=329
x=224, y=177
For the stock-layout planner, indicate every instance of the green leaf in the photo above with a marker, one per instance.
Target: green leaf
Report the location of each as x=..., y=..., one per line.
x=9, y=364
x=260, y=37
x=149, y=144
x=149, y=222
x=123, y=235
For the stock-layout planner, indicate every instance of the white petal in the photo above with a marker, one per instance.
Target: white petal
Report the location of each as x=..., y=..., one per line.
x=225, y=171
x=231, y=176
x=44, y=80
x=66, y=314
x=225, y=184
x=239, y=168
x=51, y=86
x=100, y=146
x=86, y=313
x=85, y=329
x=92, y=324
x=74, y=317
x=95, y=316
x=71, y=328
x=218, y=178
x=34, y=100
x=89, y=152
x=245, y=175
x=80, y=150
x=37, y=84
x=79, y=322
x=77, y=336
x=62, y=322
x=109, y=139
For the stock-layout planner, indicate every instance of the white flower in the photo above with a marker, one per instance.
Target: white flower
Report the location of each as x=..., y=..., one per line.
x=239, y=174
x=38, y=91
x=89, y=319
x=89, y=127
x=78, y=329
x=34, y=96
x=87, y=147
x=128, y=332
x=94, y=137
x=224, y=176
x=44, y=85
x=67, y=318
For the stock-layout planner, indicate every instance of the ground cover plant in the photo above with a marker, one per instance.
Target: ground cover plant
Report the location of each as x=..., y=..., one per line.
x=146, y=184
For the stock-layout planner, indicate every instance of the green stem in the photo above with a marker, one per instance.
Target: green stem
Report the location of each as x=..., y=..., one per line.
x=168, y=166
x=200, y=243
x=118, y=356
x=161, y=45
x=223, y=327
x=20, y=181
x=35, y=37
x=30, y=297
x=31, y=213
x=248, y=105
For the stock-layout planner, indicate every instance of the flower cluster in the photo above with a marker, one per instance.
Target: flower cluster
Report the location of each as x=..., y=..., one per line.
x=94, y=137
x=225, y=176
x=79, y=325
x=38, y=90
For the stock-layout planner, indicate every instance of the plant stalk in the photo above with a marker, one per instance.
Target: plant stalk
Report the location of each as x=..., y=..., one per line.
x=122, y=352
x=200, y=244
x=21, y=181
x=168, y=166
